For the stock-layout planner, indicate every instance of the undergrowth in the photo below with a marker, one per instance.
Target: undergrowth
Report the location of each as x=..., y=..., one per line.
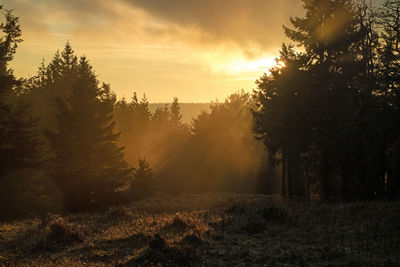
x=210, y=229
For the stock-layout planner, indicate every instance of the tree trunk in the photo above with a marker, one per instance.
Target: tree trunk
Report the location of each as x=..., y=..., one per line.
x=307, y=184
x=283, y=192
x=345, y=184
x=289, y=179
x=381, y=193
x=324, y=181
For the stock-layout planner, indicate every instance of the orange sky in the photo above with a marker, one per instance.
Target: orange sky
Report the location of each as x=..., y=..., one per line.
x=196, y=50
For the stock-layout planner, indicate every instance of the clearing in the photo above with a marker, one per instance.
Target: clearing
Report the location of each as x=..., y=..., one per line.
x=211, y=229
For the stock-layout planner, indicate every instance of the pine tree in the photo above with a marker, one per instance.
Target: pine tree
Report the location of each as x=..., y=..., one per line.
x=143, y=178
x=9, y=39
x=140, y=112
x=143, y=172
x=161, y=115
x=389, y=77
x=175, y=116
x=318, y=111
x=51, y=82
x=18, y=137
x=143, y=109
x=88, y=164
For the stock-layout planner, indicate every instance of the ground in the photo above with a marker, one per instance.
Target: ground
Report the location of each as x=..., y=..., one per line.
x=212, y=229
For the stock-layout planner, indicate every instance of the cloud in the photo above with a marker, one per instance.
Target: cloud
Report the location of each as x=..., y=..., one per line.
x=195, y=49
x=251, y=25
x=248, y=23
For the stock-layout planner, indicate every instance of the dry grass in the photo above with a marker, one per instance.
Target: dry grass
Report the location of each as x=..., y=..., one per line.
x=210, y=229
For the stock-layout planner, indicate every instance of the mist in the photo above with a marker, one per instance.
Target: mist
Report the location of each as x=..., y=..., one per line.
x=215, y=151
x=300, y=167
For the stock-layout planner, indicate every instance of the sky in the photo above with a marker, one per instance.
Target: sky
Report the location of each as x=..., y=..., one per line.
x=196, y=50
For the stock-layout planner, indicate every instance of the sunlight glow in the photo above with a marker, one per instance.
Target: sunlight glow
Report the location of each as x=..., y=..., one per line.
x=235, y=66
x=240, y=66
x=280, y=64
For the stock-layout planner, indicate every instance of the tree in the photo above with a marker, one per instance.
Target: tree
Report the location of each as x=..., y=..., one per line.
x=143, y=172
x=9, y=40
x=221, y=153
x=283, y=115
x=161, y=116
x=19, y=145
x=312, y=111
x=133, y=121
x=52, y=81
x=175, y=116
x=389, y=81
x=331, y=34
x=143, y=183
x=88, y=164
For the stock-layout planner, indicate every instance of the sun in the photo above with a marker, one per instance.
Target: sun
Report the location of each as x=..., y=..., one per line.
x=247, y=66
x=243, y=65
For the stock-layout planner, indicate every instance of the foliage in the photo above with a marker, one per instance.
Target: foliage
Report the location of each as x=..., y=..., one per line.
x=26, y=193
x=143, y=183
x=222, y=153
x=88, y=163
x=322, y=112
x=19, y=143
x=159, y=137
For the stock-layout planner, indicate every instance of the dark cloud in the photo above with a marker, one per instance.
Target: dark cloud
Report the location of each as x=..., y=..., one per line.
x=51, y=16
x=28, y=13
x=248, y=23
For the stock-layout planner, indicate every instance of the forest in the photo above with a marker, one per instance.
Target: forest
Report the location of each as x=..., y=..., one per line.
x=321, y=126
x=65, y=132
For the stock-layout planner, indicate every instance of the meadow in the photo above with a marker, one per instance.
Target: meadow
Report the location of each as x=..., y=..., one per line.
x=210, y=229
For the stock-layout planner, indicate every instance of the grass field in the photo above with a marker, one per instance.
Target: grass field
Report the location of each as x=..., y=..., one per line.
x=212, y=229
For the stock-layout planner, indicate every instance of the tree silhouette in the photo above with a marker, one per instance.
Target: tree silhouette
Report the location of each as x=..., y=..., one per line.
x=389, y=80
x=19, y=145
x=221, y=153
x=88, y=164
x=133, y=121
x=175, y=116
x=318, y=112
x=143, y=183
x=51, y=82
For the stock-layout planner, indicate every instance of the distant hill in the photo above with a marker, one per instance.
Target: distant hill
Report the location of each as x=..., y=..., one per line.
x=188, y=110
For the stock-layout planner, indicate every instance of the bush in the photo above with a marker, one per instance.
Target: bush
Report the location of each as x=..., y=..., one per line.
x=61, y=233
x=28, y=193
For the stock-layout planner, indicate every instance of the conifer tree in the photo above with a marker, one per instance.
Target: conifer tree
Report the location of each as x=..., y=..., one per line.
x=161, y=115
x=175, y=116
x=143, y=179
x=143, y=111
x=389, y=77
x=18, y=137
x=9, y=39
x=88, y=164
x=143, y=172
x=310, y=109
x=51, y=82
